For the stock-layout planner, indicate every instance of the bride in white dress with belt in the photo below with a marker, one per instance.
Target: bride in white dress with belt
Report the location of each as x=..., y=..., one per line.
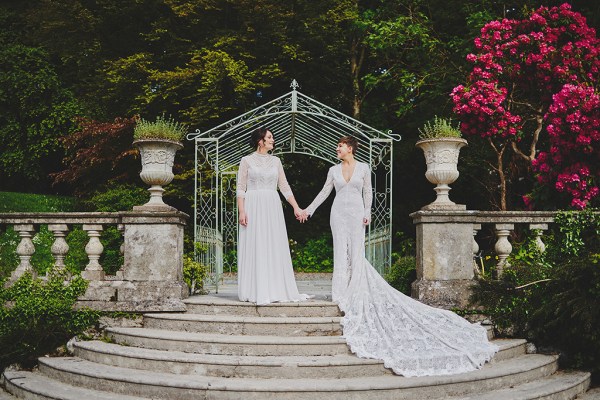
x=265, y=272
x=413, y=339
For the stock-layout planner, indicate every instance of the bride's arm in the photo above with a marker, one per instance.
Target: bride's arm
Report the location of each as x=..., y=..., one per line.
x=323, y=194
x=367, y=192
x=286, y=190
x=242, y=184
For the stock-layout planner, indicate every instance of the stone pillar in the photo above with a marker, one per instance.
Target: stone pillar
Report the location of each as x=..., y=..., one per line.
x=153, y=257
x=444, y=257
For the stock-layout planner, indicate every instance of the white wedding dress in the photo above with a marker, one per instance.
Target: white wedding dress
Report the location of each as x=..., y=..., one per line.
x=265, y=271
x=413, y=339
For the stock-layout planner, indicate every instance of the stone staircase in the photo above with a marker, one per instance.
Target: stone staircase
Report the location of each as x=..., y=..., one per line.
x=224, y=349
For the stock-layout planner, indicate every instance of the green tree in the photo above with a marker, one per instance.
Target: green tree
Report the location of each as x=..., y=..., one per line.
x=36, y=111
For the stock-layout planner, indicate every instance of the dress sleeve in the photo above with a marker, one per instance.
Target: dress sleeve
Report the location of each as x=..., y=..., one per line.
x=242, y=178
x=323, y=194
x=367, y=192
x=282, y=183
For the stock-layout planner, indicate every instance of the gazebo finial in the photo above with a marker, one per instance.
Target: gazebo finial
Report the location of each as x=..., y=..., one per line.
x=294, y=85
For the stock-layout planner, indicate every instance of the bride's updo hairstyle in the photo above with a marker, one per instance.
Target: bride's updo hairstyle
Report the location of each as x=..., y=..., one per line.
x=349, y=141
x=257, y=135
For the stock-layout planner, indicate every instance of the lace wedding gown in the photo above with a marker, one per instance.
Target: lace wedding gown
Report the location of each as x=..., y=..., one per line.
x=265, y=272
x=413, y=339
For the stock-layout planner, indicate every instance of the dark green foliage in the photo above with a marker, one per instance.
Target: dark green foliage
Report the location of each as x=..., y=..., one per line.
x=118, y=198
x=42, y=258
x=316, y=255
x=403, y=271
x=37, y=317
x=552, y=298
x=36, y=111
x=194, y=274
x=402, y=274
x=25, y=202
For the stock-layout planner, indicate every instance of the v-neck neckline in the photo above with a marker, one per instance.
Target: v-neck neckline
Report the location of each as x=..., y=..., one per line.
x=351, y=175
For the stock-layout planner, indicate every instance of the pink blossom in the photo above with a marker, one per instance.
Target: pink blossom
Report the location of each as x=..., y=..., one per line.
x=553, y=59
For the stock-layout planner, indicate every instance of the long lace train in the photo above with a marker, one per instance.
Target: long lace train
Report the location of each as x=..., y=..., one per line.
x=413, y=339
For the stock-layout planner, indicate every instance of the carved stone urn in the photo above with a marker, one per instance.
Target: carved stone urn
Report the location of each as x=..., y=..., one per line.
x=441, y=156
x=158, y=156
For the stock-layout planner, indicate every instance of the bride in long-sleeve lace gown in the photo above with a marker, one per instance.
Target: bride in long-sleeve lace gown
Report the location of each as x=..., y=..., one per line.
x=265, y=271
x=413, y=339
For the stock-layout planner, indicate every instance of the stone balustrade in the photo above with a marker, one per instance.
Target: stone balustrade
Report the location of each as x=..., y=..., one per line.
x=446, y=245
x=151, y=278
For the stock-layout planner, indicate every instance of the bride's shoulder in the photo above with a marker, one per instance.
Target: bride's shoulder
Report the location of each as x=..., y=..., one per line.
x=366, y=167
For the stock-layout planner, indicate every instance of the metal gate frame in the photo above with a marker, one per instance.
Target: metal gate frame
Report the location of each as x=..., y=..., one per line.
x=303, y=126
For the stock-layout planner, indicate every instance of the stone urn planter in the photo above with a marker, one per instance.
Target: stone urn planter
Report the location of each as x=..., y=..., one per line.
x=441, y=156
x=157, y=141
x=157, y=156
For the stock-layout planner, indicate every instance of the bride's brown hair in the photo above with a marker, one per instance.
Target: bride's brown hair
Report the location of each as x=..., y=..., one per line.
x=257, y=135
x=349, y=141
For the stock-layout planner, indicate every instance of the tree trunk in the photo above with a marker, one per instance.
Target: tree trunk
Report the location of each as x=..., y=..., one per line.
x=502, y=177
x=500, y=169
x=357, y=55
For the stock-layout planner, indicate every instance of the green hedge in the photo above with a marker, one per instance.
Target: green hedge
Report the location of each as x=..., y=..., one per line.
x=37, y=317
x=551, y=298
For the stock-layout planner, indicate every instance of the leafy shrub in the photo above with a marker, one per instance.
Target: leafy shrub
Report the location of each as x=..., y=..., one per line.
x=37, y=317
x=194, y=274
x=230, y=260
x=118, y=198
x=552, y=298
x=27, y=202
x=162, y=128
x=438, y=128
x=402, y=274
x=316, y=255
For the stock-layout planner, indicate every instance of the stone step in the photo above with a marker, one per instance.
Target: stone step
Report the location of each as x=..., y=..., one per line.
x=236, y=345
x=289, y=367
x=212, y=305
x=593, y=394
x=34, y=386
x=559, y=386
x=152, y=384
x=338, y=366
x=4, y=395
x=236, y=325
x=509, y=348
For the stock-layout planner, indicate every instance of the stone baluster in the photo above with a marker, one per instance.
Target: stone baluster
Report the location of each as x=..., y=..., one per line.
x=476, y=228
x=93, y=271
x=25, y=250
x=121, y=229
x=537, y=230
x=59, y=248
x=503, y=247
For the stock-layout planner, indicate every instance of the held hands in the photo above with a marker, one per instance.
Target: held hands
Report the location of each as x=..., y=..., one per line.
x=301, y=215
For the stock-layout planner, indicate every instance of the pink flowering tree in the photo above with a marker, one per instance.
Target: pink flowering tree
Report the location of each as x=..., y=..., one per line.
x=532, y=92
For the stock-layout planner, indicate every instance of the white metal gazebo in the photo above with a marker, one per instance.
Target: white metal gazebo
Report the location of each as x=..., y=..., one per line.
x=302, y=125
